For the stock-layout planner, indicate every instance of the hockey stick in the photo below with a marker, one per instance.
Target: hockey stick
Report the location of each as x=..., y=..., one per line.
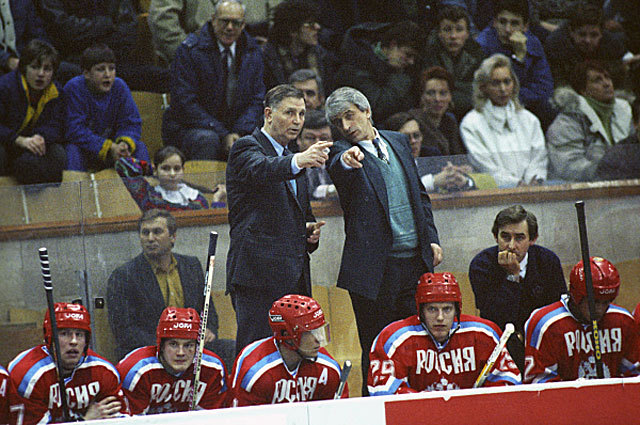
x=197, y=360
x=344, y=375
x=55, y=340
x=508, y=330
x=584, y=245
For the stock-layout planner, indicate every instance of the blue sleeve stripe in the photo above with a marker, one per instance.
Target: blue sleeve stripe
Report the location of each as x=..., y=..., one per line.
x=265, y=362
x=399, y=334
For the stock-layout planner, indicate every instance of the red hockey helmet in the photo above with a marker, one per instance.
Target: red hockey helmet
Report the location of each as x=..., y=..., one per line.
x=293, y=315
x=606, y=280
x=68, y=316
x=177, y=322
x=438, y=288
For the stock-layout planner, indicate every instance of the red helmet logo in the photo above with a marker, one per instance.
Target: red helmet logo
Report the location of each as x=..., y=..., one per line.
x=437, y=288
x=605, y=277
x=68, y=316
x=177, y=322
x=293, y=315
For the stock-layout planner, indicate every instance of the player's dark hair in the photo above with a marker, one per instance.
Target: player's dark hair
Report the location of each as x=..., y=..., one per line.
x=517, y=7
x=154, y=213
x=514, y=215
x=289, y=16
x=453, y=13
x=277, y=94
x=404, y=34
x=98, y=53
x=38, y=51
x=578, y=78
x=585, y=13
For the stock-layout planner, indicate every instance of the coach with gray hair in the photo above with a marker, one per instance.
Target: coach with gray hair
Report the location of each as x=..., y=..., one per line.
x=272, y=229
x=391, y=239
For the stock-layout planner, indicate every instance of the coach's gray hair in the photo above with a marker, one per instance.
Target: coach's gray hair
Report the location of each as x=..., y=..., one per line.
x=482, y=77
x=341, y=99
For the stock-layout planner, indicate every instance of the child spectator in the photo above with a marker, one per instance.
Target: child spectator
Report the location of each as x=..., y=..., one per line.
x=31, y=117
x=103, y=123
x=172, y=193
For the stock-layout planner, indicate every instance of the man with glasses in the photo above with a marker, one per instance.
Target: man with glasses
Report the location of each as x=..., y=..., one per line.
x=293, y=43
x=217, y=90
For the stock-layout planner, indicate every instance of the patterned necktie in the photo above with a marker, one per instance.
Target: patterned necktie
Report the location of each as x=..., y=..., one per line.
x=381, y=155
x=292, y=182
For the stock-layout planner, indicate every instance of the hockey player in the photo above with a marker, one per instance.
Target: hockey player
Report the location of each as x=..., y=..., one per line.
x=439, y=348
x=292, y=365
x=92, y=384
x=158, y=378
x=558, y=336
x=5, y=385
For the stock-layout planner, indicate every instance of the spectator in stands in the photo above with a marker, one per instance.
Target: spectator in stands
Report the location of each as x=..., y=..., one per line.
x=558, y=337
x=516, y=276
x=551, y=14
x=19, y=24
x=310, y=83
x=436, y=173
x=293, y=43
x=450, y=47
x=503, y=139
x=77, y=25
x=622, y=161
x=169, y=364
x=172, y=193
x=584, y=38
x=591, y=121
x=316, y=128
x=170, y=21
x=378, y=60
x=140, y=289
x=103, y=122
x=218, y=87
x=509, y=35
x=32, y=118
x=439, y=125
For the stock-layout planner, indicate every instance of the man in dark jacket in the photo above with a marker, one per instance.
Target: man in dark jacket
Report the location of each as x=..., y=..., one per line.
x=218, y=87
x=515, y=277
x=139, y=290
x=378, y=60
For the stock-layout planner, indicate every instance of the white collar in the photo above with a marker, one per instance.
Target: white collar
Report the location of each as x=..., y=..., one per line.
x=500, y=117
x=523, y=265
x=369, y=147
x=182, y=196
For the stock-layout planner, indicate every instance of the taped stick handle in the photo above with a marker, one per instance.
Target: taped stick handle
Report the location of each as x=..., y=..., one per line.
x=55, y=339
x=586, y=264
x=508, y=331
x=344, y=375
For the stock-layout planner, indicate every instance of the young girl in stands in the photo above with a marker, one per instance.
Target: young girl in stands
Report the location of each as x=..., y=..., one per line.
x=172, y=193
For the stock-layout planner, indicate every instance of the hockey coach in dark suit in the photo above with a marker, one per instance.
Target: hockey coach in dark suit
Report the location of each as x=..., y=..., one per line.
x=272, y=229
x=391, y=239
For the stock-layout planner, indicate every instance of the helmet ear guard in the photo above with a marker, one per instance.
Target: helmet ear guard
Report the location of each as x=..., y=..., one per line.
x=293, y=315
x=605, y=278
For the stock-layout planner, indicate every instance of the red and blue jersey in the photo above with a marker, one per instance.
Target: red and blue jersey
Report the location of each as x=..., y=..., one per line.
x=5, y=388
x=559, y=348
x=260, y=376
x=37, y=393
x=405, y=358
x=151, y=389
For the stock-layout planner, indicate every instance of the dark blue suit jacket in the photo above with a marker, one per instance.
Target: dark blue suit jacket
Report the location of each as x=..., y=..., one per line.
x=268, y=244
x=363, y=197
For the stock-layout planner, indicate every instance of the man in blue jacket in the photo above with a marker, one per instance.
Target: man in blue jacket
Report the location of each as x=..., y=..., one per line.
x=510, y=36
x=218, y=87
x=516, y=276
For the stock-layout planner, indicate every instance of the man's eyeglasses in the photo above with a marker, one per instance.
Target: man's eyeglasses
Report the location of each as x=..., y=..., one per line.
x=236, y=23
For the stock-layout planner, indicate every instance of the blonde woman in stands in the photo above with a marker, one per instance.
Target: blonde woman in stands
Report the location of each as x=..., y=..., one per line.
x=172, y=193
x=503, y=139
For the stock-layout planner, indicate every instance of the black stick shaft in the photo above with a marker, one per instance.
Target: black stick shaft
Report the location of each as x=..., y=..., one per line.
x=204, y=317
x=55, y=340
x=584, y=245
